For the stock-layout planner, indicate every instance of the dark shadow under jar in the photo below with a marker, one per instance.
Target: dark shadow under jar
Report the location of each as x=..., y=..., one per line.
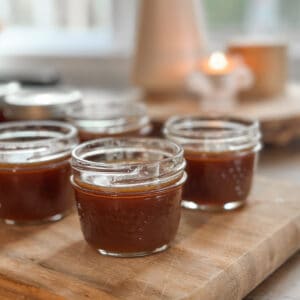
x=221, y=155
x=110, y=118
x=128, y=194
x=35, y=171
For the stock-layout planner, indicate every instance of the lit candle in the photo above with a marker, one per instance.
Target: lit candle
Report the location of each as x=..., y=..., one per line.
x=218, y=79
x=218, y=64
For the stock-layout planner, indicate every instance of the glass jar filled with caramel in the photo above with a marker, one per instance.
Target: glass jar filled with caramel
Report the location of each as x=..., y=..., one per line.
x=111, y=118
x=35, y=171
x=128, y=193
x=221, y=155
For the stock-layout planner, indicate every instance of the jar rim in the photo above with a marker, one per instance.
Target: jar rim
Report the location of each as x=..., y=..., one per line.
x=34, y=141
x=164, y=161
x=118, y=142
x=210, y=130
x=41, y=98
x=40, y=104
x=109, y=117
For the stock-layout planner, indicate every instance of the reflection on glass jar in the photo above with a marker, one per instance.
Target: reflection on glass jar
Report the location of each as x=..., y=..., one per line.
x=128, y=194
x=221, y=155
x=35, y=171
x=97, y=119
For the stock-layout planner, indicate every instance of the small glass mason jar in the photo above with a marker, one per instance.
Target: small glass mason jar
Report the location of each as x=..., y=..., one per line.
x=221, y=154
x=111, y=118
x=128, y=194
x=35, y=171
x=37, y=104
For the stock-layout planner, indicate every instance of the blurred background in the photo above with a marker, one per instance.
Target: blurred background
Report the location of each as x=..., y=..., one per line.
x=92, y=42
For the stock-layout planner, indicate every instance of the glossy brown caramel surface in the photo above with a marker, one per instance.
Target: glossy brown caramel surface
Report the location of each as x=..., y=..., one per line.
x=129, y=221
x=35, y=192
x=218, y=178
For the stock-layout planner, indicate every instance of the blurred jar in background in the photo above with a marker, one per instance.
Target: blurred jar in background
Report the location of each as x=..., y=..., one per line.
x=7, y=89
x=39, y=104
x=112, y=118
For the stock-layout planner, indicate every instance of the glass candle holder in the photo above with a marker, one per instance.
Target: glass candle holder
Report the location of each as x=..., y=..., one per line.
x=35, y=171
x=128, y=193
x=218, y=82
x=98, y=119
x=221, y=155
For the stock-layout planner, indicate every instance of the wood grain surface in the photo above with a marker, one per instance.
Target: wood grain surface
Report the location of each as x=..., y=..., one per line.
x=214, y=256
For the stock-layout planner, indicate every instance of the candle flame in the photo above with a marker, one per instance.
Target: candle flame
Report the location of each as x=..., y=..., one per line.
x=218, y=61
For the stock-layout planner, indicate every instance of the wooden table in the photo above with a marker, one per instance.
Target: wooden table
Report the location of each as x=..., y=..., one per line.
x=283, y=164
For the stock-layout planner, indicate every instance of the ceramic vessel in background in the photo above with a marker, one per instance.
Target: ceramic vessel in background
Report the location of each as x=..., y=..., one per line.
x=167, y=45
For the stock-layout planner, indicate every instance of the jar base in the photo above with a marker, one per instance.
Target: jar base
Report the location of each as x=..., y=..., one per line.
x=212, y=207
x=132, y=254
x=54, y=218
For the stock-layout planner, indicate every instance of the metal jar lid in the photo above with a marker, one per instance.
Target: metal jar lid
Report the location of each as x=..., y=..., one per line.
x=39, y=105
x=7, y=89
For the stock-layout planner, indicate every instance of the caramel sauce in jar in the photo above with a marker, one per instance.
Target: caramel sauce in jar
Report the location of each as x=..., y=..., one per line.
x=35, y=171
x=35, y=193
x=129, y=221
x=217, y=179
x=221, y=155
x=131, y=204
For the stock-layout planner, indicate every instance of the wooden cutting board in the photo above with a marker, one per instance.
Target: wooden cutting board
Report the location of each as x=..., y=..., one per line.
x=215, y=256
